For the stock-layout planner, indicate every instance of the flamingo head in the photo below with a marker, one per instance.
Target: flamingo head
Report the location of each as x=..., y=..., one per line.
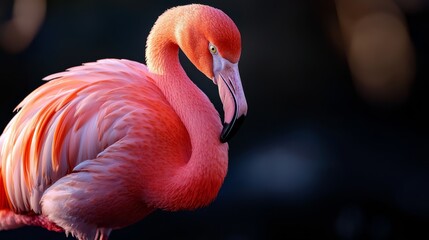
x=212, y=42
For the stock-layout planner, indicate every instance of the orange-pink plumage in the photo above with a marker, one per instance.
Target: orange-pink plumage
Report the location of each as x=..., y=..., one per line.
x=101, y=145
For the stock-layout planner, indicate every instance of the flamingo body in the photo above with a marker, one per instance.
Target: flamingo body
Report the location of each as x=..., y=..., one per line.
x=102, y=145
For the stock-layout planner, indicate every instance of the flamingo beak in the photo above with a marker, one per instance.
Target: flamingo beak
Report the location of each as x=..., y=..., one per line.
x=231, y=93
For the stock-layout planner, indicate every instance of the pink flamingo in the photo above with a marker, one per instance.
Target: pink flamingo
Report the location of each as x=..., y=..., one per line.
x=102, y=145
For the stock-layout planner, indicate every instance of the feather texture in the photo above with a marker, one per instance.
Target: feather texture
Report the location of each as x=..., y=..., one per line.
x=101, y=145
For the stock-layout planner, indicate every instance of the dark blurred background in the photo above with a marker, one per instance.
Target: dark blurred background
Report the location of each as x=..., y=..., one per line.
x=335, y=145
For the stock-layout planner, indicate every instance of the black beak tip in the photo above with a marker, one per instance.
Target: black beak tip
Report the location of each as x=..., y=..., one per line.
x=230, y=129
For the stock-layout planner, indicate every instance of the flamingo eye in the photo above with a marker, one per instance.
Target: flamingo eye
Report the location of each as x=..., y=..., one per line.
x=212, y=49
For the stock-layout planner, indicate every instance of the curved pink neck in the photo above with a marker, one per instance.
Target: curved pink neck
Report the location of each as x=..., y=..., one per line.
x=199, y=180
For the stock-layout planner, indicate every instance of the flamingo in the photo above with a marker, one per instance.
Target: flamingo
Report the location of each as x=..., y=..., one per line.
x=102, y=145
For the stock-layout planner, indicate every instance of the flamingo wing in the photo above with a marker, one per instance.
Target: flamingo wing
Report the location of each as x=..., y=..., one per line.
x=70, y=121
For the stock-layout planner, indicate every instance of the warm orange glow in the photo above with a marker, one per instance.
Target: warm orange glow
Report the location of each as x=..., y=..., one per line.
x=378, y=49
x=17, y=33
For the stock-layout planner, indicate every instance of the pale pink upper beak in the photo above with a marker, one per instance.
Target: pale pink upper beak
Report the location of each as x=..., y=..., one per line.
x=231, y=93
